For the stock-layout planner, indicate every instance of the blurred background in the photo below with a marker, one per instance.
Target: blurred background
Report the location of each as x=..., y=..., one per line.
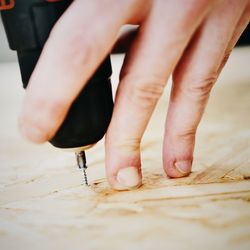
x=5, y=53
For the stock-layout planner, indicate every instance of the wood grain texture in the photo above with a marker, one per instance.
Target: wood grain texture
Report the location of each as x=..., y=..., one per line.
x=43, y=205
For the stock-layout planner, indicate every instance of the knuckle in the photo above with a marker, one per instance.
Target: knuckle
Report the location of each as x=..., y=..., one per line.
x=200, y=88
x=184, y=135
x=146, y=91
x=128, y=145
x=187, y=136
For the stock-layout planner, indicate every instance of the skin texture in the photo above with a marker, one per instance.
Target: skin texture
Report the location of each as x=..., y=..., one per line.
x=189, y=39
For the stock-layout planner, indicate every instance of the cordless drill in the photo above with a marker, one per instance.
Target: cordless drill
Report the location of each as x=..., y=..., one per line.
x=27, y=25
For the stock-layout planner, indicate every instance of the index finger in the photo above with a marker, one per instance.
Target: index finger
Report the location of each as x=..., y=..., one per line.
x=76, y=46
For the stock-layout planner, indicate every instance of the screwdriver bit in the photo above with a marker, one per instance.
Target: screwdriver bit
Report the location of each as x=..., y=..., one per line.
x=81, y=162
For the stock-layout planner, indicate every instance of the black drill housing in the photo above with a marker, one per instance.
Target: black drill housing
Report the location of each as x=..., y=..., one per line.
x=28, y=25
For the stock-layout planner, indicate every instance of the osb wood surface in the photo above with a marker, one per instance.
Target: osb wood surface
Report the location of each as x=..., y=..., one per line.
x=43, y=205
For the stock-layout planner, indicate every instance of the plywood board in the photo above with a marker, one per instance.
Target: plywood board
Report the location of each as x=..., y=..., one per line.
x=43, y=205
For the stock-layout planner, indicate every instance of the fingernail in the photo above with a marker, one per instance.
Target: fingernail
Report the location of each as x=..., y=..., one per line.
x=184, y=167
x=129, y=177
x=32, y=134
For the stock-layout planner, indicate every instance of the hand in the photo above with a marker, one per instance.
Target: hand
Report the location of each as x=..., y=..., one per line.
x=189, y=39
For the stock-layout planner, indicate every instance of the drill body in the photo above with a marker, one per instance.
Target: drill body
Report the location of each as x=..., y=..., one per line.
x=28, y=24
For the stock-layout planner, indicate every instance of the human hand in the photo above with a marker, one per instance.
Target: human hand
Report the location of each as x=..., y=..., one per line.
x=189, y=39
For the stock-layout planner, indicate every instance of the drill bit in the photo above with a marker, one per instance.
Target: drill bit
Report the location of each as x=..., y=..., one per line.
x=81, y=162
